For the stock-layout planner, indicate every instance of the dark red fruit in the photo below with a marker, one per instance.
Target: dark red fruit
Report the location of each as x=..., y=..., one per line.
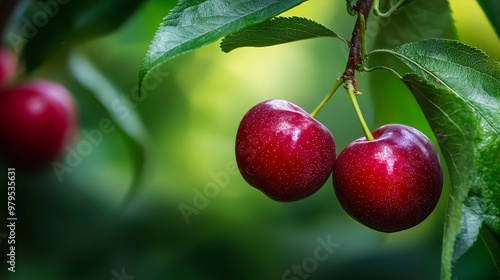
x=7, y=66
x=37, y=120
x=391, y=183
x=283, y=151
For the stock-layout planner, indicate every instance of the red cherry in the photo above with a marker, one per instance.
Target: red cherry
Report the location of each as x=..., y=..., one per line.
x=391, y=183
x=37, y=120
x=284, y=152
x=7, y=66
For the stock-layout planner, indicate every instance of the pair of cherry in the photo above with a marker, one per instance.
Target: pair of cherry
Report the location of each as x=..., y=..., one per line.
x=390, y=183
x=38, y=118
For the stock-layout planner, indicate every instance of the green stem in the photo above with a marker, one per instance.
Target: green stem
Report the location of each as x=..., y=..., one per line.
x=350, y=8
x=392, y=71
x=363, y=51
x=389, y=12
x=363, y=8
x=352, y=95
x=344, y=40
x=327, y=97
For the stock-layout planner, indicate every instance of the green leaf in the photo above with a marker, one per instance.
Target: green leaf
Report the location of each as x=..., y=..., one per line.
x=388, y=8
x=418, y=21
x=458, y=89
x=404, y=3
x=129, y=124
x=461, y=68
x=492, y=241
x=449, y=118
x=492, y=10
x=350, y=7
x=278, y=30
x=47, y=26
x=196, y=23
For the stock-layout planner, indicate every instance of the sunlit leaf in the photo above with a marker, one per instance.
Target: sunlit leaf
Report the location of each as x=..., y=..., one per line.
x=278, y=30
x=196, y=23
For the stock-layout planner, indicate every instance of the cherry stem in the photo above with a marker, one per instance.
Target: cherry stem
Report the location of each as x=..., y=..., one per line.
x=327, y=97
x=390, y=11
x=363, y=52
x=357, y=44
x=352, y=95
x=357, y=57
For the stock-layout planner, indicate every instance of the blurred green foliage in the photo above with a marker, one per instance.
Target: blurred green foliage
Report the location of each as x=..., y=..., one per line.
x=78, y=229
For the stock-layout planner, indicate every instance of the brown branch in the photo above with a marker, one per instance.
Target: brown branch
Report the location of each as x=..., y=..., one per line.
x=363, y=7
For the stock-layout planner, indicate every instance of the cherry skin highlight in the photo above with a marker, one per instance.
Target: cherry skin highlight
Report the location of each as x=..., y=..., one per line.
x=284, y=152
x=37, y=121
x=391, y=183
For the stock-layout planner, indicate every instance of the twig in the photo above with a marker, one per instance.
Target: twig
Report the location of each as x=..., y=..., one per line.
x=363, y=8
